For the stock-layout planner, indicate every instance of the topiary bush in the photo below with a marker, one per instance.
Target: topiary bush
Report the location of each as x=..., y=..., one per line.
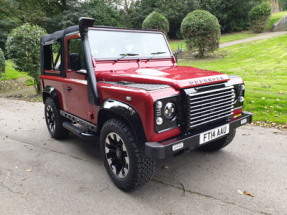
x=23, y=47
x=259, y=17
x=156, y=21
x=2, y=63
x=201, y=31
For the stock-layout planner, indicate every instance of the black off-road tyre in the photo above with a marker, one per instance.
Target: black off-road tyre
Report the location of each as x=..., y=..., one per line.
x=124, y=156
x=220, y=143
x=54, y=120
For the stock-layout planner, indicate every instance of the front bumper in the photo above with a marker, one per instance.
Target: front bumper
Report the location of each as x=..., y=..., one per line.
x=190, y=141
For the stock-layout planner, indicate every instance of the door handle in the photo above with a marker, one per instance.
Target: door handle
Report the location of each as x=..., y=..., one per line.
x=68, y=88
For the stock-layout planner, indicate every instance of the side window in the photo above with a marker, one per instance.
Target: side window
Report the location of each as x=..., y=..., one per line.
x=75, y=46
x=56, y=56
x=52, y=57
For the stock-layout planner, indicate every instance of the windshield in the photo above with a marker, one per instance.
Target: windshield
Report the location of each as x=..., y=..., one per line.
x=127, y=44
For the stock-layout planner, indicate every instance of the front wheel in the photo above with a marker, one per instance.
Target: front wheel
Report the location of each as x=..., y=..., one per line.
x=124, y=156
x=220, y=143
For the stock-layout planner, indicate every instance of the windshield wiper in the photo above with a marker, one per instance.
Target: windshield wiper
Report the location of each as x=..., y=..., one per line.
x=124, y=55
x=155, y=53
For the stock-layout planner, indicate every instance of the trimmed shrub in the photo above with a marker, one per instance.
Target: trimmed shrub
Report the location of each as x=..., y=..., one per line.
x=201, y=31
x=156, y=21
x=259, y=17
x=2, y=62
x=23, y=47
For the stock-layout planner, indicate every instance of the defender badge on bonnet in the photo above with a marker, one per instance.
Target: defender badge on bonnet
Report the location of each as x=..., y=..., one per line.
x=210, y=79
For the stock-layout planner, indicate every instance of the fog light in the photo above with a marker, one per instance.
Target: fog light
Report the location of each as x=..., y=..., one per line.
x=159, y=104
x=241, y=99
x=159, y=121
x=242, y=87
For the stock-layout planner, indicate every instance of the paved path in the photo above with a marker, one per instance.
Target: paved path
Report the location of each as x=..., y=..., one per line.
x=68, y=176
x=258, y=37
x=25, y=90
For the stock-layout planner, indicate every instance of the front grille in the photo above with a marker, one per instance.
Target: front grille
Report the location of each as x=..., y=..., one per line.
x=209, y=106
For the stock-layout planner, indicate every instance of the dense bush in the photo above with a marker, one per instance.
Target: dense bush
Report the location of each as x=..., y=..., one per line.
x=201, y=31
x=156, y=21
x=232, y=14
x=259, y=17
x=175, y=11
x=2, y=62
x=23, y=47
x=282, y=4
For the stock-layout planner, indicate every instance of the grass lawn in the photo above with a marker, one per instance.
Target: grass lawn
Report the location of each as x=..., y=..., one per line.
x=223, y=39
x=236, y=36
x=11, y=73
x=263, y=66
x=275, y=17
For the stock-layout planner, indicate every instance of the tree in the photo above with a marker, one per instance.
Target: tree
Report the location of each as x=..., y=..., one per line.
x=156, y=21
x=97, y=9
x=23, y=47
x=2, y=62
x=175, y=11
x=232, y=14
x=259, y=17
x=201, y=31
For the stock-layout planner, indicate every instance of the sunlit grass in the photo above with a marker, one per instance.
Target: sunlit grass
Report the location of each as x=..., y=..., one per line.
x=175, y=44
x=236, y=36
x=276, y=17
x=263, y=66
x=11, y=73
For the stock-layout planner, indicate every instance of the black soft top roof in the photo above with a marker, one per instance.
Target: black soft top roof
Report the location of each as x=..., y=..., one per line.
x=59, y=34
x=62, y=33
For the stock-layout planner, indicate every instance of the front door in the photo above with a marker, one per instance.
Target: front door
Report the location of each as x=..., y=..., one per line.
x=76, y=93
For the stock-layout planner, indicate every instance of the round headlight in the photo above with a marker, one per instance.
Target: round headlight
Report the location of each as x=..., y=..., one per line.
x=169, y=110
x=242, y=87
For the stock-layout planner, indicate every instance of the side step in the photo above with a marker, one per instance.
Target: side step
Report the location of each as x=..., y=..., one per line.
x=77, y=131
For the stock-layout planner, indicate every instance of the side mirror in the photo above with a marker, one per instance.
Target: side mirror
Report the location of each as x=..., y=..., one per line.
x=75, y=61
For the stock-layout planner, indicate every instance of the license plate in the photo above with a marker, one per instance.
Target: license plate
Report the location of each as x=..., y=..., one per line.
x=213, y=134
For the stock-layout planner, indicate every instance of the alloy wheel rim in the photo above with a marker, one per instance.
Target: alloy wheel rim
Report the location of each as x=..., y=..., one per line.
x=117, y=155
x=50, y=118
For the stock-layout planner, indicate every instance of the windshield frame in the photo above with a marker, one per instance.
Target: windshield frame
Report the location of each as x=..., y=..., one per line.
x=133, y=31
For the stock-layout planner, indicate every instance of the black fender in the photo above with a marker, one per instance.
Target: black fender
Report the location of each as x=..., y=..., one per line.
x=116, y=109
x=49, y=91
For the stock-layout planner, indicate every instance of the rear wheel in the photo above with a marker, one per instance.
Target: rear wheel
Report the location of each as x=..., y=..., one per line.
x=124, y=156
x=220, y=143
x=54, y=120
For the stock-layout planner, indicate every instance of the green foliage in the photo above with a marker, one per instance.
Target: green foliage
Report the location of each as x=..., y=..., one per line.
x=156, y=21
x=2, y=62
x=282, y=4
x=259, y=17
x=263, y=9
x=232, y=14
x=102, y=13
x=201, y=31
x=22, y=46
x=175, y=11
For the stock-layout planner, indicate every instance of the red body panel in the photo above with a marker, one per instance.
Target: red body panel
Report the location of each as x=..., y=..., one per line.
x=176, y=76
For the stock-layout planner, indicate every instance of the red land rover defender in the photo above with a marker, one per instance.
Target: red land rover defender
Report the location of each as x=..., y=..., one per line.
x=125, y=85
